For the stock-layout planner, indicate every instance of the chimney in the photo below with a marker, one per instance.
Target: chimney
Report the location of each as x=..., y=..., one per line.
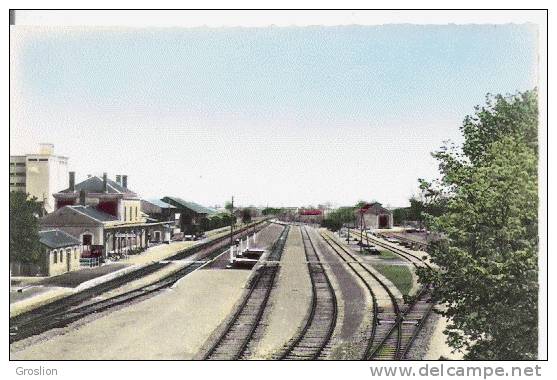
x=72, y=181
x=118, y=179
x=125, y=181
x=82, y=197
x=104, y=183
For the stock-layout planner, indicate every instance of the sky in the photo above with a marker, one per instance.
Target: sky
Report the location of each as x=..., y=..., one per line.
x=278, y=116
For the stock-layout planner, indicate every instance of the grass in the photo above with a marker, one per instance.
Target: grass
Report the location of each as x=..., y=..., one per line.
x=399, y=275
x=387, y=255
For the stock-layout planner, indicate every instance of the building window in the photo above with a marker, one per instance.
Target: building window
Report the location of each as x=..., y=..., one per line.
x=87, y=239
x=61, y=256
x=75, y=253
x=55, y=256
x=43, y=159
x=136, y=213
x=125, y=213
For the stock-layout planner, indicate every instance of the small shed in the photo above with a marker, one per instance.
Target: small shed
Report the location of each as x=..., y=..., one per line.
x=62, y=251
x=375, y=216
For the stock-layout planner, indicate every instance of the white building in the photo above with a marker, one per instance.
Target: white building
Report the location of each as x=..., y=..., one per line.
x=40, y=175
x=375, y=216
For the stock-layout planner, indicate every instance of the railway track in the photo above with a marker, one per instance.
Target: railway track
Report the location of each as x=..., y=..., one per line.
x=386, y=311
x=412, y=317
x=233, y=343
x=72, y=308
x=413, y=243
x=312, y=342
x=408, y=256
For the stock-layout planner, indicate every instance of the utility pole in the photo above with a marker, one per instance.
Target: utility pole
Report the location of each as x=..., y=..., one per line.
x=232, y=222
x=361, y=231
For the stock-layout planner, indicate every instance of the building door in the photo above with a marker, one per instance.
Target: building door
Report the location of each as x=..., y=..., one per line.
x=383, y=221
x=157, y=236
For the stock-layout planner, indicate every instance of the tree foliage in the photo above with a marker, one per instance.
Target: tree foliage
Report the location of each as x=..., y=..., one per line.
x=487, y=256
x=336, y=219
x=246, y=215
x=267, y=211
x=24, y=228
x=217, y=221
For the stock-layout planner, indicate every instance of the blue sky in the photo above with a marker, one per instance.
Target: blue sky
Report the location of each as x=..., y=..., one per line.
x=284, y=116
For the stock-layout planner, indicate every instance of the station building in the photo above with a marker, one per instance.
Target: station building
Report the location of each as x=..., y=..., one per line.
x=105, y=216
x=190, y=213
x=155, y=210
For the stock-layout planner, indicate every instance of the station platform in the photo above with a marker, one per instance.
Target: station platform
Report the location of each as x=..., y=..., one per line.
x=75, y=278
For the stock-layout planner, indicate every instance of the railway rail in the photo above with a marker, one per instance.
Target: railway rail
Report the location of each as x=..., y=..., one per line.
x=412, y=317
x=312, y=342
x=386, y=311
x=233, y=343
x=413, y=243
x=414, y=259
x=72, y=308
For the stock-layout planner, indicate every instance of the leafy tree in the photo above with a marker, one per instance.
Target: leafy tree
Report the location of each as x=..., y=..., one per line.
x=400, y=215
x=488, y=251
x=336, y=219
x=24, y=228
x=246, y=215
x=228, y=206
x=272, y=211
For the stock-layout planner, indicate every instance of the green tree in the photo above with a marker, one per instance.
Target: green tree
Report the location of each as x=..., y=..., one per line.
x=400, y=215
x=24, y=228
x=336, y=219
x=488, y=251
x=272, y=211
x=246, y=215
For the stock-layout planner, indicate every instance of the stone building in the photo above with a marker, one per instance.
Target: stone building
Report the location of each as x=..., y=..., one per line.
x=60, y=252
x=375, y=216
x=104, y=215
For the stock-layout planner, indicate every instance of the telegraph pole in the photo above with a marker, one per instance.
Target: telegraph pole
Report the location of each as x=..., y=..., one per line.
x=232, y=222
x=361, y=231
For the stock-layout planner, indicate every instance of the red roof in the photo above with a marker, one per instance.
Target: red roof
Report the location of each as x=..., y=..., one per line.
x=310, y=212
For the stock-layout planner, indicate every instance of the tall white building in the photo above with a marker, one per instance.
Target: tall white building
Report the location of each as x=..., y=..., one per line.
x=40, y=175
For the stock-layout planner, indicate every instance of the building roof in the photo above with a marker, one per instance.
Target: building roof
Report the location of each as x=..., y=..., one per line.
x=94, y=184
x=159, y=203
x=57, y=239
x=93, y=213
x=374, y=208
x=311, y=212
x=180, y=203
